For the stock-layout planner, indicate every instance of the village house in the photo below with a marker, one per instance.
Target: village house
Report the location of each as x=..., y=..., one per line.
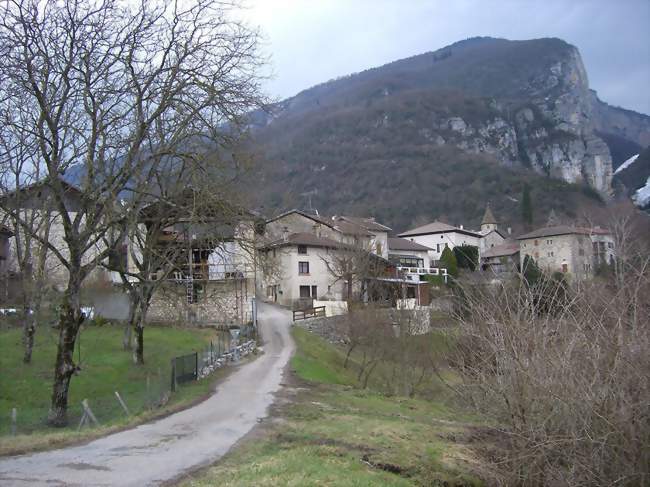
x=501, y=260
x=576, y=251
x=438, y=235
x=210, y=277
x=378, y=232
x=296, y=270
x=411, y=259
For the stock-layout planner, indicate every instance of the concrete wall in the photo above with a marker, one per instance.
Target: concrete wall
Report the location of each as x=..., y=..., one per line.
x=333, y=308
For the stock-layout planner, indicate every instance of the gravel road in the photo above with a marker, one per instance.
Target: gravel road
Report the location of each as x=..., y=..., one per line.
x=165, y=449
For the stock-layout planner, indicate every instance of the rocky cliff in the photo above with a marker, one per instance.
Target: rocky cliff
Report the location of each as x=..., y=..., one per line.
x=525, y=104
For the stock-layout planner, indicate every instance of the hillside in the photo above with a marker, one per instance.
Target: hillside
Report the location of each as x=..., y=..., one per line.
x=442, y=133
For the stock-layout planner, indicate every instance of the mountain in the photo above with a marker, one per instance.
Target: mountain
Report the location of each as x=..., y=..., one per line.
x=442, y=133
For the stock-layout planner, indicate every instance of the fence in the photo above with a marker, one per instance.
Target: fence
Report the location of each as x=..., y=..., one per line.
x=155, y=392
x=303, y=314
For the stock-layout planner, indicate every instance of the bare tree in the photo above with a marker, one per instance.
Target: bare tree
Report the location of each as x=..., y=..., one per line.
x=114, y=95
x=353, y=264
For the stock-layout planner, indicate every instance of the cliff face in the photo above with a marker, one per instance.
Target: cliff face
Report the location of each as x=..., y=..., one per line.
x=525, y=104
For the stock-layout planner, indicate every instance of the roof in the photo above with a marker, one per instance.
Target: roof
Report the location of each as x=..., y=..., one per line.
x=436, y=227
x=397, y=243
x=506, y=248
x=306, y=239
x=368, y=223
x=344, y=227
x=488, y=218
x=563, y=230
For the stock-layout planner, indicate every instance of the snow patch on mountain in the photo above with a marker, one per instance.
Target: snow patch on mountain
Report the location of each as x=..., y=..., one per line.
x=642, y=195
x=626, y=163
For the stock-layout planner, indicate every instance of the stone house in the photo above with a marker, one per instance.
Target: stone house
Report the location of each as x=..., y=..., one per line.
x=213, y=276
x=575, y=251
x=338, y=229
x=501, y=260
x=379, y=233
x=491, y=235
x=34, y=204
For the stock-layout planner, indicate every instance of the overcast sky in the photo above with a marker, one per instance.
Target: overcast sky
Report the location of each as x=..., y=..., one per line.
x=312, y=41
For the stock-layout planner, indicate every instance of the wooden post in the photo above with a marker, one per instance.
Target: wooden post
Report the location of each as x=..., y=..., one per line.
x=14, y=417
x=173, y=375
x=83, y=420
x=196, y=365
x=119, y=398
x=90, y=414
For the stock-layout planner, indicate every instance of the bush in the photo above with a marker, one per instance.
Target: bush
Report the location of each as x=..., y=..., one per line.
x=570, y=387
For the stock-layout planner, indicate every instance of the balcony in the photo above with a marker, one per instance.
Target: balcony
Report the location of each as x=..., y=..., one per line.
x=414, y=273
x=210, y=272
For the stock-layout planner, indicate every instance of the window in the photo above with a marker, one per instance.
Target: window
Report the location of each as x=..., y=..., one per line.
x=438, y=248
x=610, y=245
x=304, y=292
x=379, y=248
x=549, y=254
x=314, y=292
x=581, y=251
x=303, y=267
x=410, y=292
x=565, y=268
x=302, y=249
x=549, y=242
x=536, y=243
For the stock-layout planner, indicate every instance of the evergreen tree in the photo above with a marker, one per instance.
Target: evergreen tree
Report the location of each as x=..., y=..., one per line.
x=448, y=261
x=531, y=272
x=466, y=256
x=526, y=207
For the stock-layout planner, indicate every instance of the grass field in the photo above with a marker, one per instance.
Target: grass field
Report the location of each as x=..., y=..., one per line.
x=333, y=433
x=105, y=368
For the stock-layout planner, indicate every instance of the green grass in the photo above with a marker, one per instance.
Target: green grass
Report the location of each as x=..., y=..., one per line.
x=105, y=368
x=333, y=433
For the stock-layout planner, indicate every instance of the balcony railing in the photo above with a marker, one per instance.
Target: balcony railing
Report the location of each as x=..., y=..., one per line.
x=413, y=273
x=211, y=272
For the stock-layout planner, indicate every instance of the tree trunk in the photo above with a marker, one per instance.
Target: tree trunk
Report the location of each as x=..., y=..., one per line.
x=70, y=320
x=29, y=330
x=141, y=315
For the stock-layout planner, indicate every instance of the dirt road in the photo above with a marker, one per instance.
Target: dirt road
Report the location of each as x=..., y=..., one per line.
x=165, y=449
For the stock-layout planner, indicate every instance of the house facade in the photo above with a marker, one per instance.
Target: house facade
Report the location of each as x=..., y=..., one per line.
x=438, y=235
x=501, y=260
x=297, y=270
x=575, y=251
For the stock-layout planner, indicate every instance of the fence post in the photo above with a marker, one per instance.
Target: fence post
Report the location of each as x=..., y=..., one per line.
x=196, y=368
x=119, y=398
x=88, y=411
x=173, y=375
x=14, y=417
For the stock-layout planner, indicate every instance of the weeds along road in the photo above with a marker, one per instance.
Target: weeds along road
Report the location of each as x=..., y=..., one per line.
x=165, y=449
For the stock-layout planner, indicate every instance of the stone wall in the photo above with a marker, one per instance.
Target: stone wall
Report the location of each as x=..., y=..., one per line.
x=220, y=304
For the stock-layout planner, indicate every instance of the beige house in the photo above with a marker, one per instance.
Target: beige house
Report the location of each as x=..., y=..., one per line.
x=379, y=233
x=299, y=273
x=576, y=251
x=491, y=236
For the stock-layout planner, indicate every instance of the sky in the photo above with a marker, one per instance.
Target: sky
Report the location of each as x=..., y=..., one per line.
x=312, y=41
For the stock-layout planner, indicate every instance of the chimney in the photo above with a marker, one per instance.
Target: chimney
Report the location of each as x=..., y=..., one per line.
x=509, y=231
x=285, y=234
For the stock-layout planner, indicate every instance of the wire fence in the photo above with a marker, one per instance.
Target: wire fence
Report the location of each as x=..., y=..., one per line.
x=157, y=390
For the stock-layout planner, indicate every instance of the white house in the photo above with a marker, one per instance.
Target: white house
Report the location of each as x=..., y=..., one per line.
x=406, y=253
x=438, y=235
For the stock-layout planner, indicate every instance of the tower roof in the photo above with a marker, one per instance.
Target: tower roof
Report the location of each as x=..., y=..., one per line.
x=488, y=218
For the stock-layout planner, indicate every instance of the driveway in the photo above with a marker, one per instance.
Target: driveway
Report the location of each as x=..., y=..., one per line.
x=165, y=449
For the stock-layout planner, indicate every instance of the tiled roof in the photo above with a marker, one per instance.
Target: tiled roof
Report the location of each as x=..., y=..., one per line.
x=306, y=239
x=396, y=243
x=563, y=230
x=436, y=227
x=504, y=249
x=367, y=223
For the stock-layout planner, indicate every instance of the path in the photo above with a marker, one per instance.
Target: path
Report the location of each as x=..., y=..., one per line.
x=155, y=452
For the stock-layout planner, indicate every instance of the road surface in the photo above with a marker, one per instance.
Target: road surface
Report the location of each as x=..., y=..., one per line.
x=163, y=450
